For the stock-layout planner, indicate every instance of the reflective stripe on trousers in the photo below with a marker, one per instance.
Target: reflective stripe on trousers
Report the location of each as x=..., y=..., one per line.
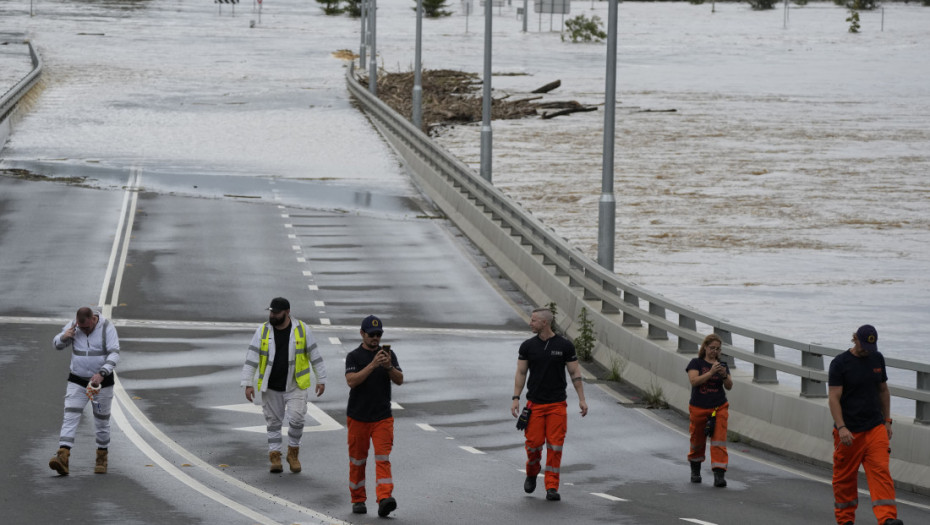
x=869, y=449
x=380, y=434
x=278, y=406
x=75, y=401
x=718, y=441
x=548, y=424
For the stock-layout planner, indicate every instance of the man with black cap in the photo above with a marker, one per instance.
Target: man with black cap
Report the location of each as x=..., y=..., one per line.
x=860, y=404
x=283, y=365
x=370, y=370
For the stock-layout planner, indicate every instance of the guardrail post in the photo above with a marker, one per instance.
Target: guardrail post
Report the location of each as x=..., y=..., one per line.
x=630, y=319
x=812, y=387
x=684, y=345
x=760, y=373
x=923, y=408
x=654, y=331
x=726, y=338
x=607, y=306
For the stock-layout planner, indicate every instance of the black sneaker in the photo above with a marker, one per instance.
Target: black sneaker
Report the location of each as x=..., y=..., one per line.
x=359, y=508
x=553, y=495
x=893, y=521
x=529, y=485
x=386, y=506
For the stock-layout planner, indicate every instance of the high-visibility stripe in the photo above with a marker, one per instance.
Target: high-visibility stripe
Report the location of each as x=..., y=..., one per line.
x=382, y=458
x=358, y=462
x=385, y=481
x=846, y=504
x=555, y=448
x=890, y=502
x=358, y=485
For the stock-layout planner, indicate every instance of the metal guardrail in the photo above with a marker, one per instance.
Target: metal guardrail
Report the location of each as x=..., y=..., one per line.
x=13, y=95
x=619, y=296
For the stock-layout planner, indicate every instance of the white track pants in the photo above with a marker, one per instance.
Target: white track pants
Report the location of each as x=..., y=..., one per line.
x=277, y=406
x=75, y=401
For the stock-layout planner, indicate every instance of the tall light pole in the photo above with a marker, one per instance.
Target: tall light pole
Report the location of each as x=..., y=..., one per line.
x=417, y=78
x=607, y=207
x=361, y=51
x=373, y=59
x=486, y=98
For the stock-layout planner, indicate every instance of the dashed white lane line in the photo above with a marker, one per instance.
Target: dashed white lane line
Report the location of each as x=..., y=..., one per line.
x=699, y=522
x=319, y=304
x=325, y=321
x=308, y=273
x=608, y=496
x=426, y=427
x=472, y=450
x=301, y=259
x=334, y=341
x=313, y=287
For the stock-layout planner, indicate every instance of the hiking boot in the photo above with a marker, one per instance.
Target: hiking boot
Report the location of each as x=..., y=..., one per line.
x=893, y=521
x=718, y=478
x=101, y=466
x=695, y=471
x=386, y=506
x=292, y=460
x=529, y=485
x=60, y=461
x=553, y=495
x=275, y=457
x=359, y=508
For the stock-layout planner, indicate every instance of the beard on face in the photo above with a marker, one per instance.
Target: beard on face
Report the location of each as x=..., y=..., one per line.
x=275, y=319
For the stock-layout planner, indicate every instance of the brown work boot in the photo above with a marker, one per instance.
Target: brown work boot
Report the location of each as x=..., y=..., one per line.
x=275, y=457
x=292, y=460
x=60, y=461
x=101, y=466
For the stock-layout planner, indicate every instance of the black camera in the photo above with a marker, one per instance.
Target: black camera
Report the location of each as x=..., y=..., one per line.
x=524, y=418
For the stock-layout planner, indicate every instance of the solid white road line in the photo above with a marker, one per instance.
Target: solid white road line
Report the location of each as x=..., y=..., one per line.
x=125, y=402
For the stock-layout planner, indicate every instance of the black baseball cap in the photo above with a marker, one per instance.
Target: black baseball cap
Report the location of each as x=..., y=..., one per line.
x=279, y=304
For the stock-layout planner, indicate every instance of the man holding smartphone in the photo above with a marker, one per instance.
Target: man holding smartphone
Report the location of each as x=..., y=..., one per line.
x=94, y=355
x=370, y=370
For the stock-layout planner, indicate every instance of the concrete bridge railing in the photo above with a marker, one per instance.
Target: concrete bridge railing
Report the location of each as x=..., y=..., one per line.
x=650, y=337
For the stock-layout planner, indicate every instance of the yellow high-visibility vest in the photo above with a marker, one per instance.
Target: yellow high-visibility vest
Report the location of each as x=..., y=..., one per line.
x=302, y=360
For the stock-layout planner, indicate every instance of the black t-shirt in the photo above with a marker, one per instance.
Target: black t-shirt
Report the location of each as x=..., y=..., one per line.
x=711, y=394
x=547, y=359
x=371, y=400
x=860, y=378
x=277, y=380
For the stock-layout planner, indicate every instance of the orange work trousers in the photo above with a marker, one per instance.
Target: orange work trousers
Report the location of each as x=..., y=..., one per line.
x=871, y=450
x=547, y=425
x=381, y=435
x=718, y=440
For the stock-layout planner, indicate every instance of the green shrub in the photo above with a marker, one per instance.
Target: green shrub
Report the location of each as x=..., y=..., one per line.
x=584, y=343
x=584, y=29
x=853, y=20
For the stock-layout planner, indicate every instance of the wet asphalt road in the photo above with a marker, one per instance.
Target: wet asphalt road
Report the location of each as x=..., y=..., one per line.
x=187, y=448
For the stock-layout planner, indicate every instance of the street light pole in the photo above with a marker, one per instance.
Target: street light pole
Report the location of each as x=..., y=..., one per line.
x=607, y=207
x=364, y=44
x=372, y=59
x=417, y=78
x=486, y=98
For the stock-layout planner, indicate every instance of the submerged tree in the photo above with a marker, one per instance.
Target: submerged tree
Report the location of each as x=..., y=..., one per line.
x=434, y=8
x=353, y=8
x=330, y=7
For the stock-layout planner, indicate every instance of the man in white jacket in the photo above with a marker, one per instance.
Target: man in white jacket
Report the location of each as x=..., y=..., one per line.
x=94, y=355
x=283, y=353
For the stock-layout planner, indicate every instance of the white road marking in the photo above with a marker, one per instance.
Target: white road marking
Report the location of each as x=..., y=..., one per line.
x=426, y=427
x=473, y=450
x=285, y=216
x=699, y=522
x=295, y=247
x=308, y=273
x=292, y=236
x=326, y=423
x=124, y=402
x=396, y=406
x=608, y=496
x=313, y=287
x=286, y=225
x=318, y=303
x=301, y=259
x=325, y=321
x=334, y=341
